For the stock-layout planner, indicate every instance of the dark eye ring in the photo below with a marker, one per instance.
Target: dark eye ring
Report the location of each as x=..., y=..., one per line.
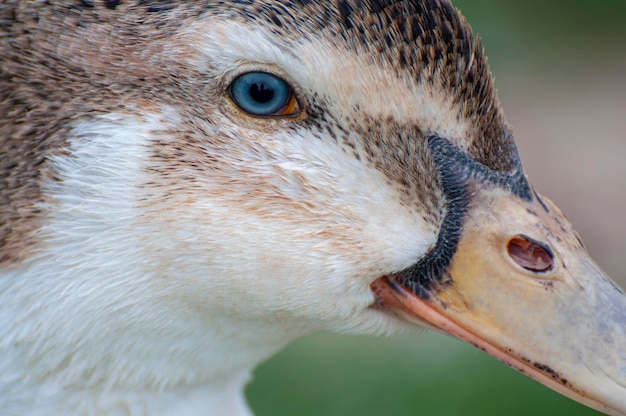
x=262, y=94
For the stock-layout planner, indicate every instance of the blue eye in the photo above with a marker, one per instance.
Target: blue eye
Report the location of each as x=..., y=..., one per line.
x=263, y=94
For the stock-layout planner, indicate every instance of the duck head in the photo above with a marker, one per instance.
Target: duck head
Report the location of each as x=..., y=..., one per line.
x=203, y=183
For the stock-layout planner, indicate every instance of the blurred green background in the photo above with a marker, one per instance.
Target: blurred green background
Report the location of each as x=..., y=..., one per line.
x=560, y=70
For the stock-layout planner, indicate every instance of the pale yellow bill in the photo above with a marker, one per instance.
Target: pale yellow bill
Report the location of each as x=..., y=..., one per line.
x=524, y=289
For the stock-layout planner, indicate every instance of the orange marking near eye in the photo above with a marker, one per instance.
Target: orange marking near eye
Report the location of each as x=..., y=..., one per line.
x=292, y=108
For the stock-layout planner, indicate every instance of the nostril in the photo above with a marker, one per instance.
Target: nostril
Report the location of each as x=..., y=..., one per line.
x=530, y=254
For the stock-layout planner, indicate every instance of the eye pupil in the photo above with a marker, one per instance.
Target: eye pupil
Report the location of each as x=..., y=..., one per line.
x=260, y=93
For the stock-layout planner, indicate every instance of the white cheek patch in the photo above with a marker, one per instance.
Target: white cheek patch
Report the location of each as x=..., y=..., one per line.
x=292, y=224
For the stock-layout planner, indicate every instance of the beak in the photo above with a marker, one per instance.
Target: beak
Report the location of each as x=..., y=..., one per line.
x=522, y=287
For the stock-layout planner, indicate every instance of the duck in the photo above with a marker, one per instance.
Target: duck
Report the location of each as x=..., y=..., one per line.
x=188, y=187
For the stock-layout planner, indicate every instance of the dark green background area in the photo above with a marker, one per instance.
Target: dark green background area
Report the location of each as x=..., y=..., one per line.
x=540, y=32
x=427, y=373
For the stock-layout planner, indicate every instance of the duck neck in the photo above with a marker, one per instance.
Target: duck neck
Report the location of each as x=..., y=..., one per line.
x=68, y=356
